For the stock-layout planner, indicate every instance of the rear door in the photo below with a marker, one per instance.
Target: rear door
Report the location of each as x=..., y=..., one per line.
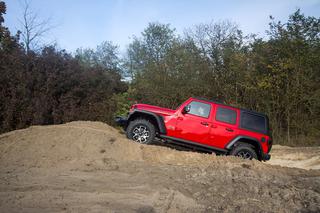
x=224, y=126
x=194, y=125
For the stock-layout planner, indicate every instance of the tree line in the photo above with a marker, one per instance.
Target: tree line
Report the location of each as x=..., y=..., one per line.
x=52, y=86
x=278, y=75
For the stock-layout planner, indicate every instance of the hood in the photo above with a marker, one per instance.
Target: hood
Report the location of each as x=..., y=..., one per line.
x=154, y=109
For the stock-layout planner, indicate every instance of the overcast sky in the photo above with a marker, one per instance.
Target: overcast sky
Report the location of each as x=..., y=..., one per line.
x=86, y=23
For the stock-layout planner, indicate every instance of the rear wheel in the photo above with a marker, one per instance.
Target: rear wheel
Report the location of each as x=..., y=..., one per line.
x=141, y=131
x=245, y=151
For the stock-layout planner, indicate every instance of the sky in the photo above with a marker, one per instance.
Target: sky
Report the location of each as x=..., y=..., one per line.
x=87, y=23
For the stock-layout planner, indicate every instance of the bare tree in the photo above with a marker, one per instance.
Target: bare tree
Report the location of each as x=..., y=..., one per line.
x=33, y=28
x=213, y=37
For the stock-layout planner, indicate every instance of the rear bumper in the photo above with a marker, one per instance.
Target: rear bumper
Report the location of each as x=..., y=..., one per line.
x=121, y=121
x=266, y=157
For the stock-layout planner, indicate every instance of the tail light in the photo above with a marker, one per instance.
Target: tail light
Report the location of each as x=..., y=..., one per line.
x=269, y=144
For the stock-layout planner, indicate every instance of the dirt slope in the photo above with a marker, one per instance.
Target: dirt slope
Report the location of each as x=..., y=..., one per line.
x=90, y=167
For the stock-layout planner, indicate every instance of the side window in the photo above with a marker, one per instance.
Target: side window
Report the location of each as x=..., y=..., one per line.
x=226, y=115
x=199, y=109
x=253, y=122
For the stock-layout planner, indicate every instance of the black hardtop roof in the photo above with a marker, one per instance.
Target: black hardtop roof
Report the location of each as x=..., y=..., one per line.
x=223, y=104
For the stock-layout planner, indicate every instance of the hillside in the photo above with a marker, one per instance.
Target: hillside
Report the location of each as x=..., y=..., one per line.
x=91, y=167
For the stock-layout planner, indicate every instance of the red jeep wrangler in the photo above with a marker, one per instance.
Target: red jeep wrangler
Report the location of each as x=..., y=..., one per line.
x=202, y=124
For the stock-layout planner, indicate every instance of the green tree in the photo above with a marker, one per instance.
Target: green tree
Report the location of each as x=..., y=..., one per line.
x=105, y=55
x=287, y=65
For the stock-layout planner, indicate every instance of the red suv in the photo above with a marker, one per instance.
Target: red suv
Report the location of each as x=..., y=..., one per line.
x=202, y=124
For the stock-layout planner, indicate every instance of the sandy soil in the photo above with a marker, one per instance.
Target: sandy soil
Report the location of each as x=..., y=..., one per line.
x=296, y=157
x=91, y=167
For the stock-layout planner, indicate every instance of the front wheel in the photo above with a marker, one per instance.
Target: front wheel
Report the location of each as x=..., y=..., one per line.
x=141, y=131
x=244, y=151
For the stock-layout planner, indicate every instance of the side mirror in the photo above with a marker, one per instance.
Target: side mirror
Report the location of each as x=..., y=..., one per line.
x=186, y=109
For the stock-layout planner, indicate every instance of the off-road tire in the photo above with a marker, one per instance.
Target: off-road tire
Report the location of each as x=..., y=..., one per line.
x=141, y=131
x=245, y=151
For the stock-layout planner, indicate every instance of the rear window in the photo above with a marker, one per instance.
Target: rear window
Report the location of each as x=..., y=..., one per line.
x=253, y=122
x=226, y=115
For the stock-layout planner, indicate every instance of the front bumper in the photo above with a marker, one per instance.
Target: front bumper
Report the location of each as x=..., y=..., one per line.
x=266, y=157
x=121, y=121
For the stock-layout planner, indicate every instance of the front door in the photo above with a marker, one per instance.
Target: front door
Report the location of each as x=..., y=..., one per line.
x=194, y=125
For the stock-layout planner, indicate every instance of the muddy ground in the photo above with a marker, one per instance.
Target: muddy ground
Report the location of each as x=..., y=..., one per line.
x=91, y=167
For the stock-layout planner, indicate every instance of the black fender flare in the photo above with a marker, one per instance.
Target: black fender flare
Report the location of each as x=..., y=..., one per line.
x=158, y=118
x=238, y=139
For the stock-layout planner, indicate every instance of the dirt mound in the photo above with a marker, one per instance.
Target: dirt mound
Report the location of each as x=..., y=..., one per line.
x=91, y=167
x=80, y=143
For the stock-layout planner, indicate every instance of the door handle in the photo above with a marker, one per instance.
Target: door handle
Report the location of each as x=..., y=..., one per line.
x=180, y=118
x=229, y=129
x=204, y=123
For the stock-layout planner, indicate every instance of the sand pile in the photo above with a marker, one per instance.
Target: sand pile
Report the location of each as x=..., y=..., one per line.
x=92, y=167
x=79, y=143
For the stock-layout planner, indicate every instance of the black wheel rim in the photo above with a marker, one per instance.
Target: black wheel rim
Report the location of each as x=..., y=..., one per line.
x=245, y=154
x=140, y=134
